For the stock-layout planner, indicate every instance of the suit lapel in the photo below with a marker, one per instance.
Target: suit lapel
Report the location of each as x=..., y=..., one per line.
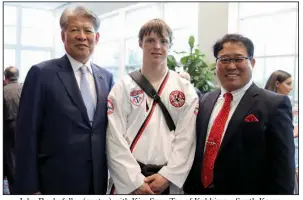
x=69, y=81
x=100, y=91
x=243, y=108
x=208, y=105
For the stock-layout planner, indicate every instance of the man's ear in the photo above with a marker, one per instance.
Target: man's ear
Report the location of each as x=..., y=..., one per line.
x=253, y=62
x=97, y=37
x=62, y=36
x=140, y=44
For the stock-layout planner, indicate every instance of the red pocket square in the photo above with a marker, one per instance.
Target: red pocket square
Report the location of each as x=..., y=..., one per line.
x=251, y=118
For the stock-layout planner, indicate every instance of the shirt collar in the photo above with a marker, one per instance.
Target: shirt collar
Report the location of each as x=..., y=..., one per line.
x=237, y=93
x=76, y=64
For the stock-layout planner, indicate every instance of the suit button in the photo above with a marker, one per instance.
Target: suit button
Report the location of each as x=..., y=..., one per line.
x=93, y=133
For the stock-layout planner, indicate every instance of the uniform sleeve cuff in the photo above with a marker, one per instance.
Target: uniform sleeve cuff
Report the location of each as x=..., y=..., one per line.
x=138, y=182
x=173, y=179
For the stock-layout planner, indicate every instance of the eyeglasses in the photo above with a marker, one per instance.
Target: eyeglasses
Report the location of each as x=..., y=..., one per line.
x=227, y=61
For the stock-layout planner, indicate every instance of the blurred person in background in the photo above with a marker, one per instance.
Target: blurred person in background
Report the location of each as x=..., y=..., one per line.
x=281, y=82
x=11, y=98
x=62, y=120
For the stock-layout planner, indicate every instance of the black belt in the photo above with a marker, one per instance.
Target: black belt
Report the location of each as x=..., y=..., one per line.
x=148, y=170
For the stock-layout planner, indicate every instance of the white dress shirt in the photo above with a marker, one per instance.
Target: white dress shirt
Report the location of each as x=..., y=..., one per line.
x=237, y=96
x=89, y=76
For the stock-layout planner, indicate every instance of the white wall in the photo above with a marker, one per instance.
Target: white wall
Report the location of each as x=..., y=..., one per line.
x=213, y=24
x=98, y=7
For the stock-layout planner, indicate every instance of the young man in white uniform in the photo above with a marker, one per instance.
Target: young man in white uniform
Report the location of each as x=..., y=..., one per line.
x=130, y=141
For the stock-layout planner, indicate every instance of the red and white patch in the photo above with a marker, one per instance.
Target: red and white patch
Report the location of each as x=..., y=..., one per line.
x=110, y=107
x=196, y=109
x=136, y=97
x=177, y=98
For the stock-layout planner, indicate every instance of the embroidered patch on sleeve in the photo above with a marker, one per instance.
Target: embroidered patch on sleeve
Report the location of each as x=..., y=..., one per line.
x=110, y=107
x=177, y=98
x=137, y=97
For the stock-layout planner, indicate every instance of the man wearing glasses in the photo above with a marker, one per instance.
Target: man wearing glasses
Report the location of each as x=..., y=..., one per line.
x=244, y=133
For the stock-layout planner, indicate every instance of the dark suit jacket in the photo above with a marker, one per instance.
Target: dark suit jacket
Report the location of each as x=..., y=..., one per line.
x=254, y=157
x=11, y=95
x=57, y=150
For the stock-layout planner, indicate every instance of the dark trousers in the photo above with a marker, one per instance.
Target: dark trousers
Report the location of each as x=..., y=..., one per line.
x=9, y=129
x=8, y=167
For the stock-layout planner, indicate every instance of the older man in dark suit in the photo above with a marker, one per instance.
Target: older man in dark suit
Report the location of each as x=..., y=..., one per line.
x=11, y=97
x=62, y=119
x=244, y=133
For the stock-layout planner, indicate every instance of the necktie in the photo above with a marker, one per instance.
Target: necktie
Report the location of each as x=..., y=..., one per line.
x=86, y=94
x=214, y=140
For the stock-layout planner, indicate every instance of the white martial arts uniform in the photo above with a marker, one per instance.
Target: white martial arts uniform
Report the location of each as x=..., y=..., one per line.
x=128, y=107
